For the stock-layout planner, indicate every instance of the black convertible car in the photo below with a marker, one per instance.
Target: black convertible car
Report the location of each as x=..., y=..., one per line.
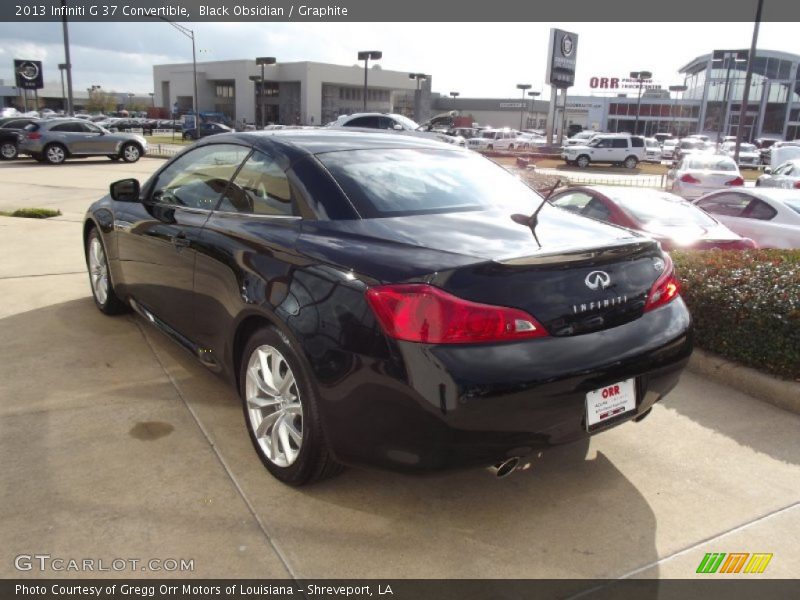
x=388, y=300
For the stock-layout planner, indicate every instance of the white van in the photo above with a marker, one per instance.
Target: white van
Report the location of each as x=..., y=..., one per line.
x=613, y=148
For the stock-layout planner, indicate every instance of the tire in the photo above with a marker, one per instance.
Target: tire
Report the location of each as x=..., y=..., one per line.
x=511, y=146
x=8, y=151
x=582, y=161
x=292, y=444
x=490, y=147
x=38, y=158
x=631, y=162
x=55, y=154
x=97, y=264
x=130, y=152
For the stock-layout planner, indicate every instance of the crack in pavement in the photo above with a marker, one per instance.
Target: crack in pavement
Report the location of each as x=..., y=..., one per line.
x=281, y=556
x=6, y=277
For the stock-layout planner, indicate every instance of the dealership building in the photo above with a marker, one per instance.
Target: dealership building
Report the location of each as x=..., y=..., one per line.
x=303, y=93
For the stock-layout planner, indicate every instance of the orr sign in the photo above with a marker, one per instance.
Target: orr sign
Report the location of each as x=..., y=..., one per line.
x=624, y=83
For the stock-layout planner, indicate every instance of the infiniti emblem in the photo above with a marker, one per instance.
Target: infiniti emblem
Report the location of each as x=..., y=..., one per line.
x=598, y=280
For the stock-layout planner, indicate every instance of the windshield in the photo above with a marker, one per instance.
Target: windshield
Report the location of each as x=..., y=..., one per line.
x=794, y=204
x=710, y=163
x=398, y=182
x=663, y=209
x=406, y=122
x=670, y=142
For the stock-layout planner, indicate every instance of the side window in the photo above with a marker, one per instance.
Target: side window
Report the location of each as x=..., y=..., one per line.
x=784, y=169
x=604, y=143
x=260, y=188
x=759, y=210
x=197, y=179
x=596, y=210
x=67, y=128
x=385, y=123
x=637, y=142
x=371, y=122
x=620, y=143
x=89, y=128
x=728, y=205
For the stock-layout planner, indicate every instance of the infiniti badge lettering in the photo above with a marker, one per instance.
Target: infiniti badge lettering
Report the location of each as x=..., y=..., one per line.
x=598, y=280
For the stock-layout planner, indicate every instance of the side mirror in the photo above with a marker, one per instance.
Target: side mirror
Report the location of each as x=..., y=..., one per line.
x=397, y=127
x=767, y=170
x=125, y=190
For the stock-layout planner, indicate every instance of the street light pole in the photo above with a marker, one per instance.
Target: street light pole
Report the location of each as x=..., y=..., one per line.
x=365, y=55
x=641, y=77
x=69, y=110
x=533, y=96
x=62, y=67
x=189, y=33
x=418, y=77
x=732, y=56
x=676, y=89
x=747, y=79
x=522, y=87
x=262, y=61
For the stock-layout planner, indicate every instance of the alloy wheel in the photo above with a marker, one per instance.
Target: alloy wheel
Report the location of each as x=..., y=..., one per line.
x=274, y=406
x=98, y=270
x=131, y=153
x=8, y=151
x=56, y=154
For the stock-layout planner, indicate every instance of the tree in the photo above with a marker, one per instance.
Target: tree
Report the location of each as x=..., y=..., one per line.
x=100, y=101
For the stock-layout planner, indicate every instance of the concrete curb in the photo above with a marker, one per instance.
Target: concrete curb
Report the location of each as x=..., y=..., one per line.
x=780, y=392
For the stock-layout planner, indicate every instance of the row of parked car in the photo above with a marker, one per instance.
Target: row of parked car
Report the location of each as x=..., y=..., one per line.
x=54, y=140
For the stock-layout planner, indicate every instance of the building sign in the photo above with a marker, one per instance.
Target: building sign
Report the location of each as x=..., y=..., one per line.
x=621, y=83
x=512, y=105
x=28, y=74
x=561, y=58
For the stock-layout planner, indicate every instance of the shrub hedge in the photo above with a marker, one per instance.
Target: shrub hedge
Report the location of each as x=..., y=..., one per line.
x=745, y=305
x=33, y=213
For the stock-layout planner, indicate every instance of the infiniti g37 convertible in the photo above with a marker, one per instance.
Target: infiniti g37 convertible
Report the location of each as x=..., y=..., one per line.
x=390, y=301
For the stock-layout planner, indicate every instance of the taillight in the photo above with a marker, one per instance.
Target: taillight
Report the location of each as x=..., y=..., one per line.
x=797, y=185
x=689, y=179
x=735, y=181
x=423, y=313
x=665, y=289
x=34, y=135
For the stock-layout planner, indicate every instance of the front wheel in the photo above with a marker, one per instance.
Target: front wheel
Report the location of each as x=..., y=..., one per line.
x=631, y=162
x=281, y=411
x=8, y=151
x=102, y=289
x=582, y=161
x=130, y=153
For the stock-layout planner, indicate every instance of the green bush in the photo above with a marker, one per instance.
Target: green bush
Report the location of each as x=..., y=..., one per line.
x=33, y=213
x=745, y=305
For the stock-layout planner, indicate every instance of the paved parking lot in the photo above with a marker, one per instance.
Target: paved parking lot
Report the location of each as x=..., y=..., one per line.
x=116, y=444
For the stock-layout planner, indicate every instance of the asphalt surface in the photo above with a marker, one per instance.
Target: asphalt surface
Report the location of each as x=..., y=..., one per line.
x=117, y=444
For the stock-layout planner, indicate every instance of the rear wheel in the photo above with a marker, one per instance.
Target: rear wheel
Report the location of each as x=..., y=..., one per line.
x=281, y=411
x=102, y=289
x=55, y=154
x=8, y=151
x=631, y=162
x=582, y=161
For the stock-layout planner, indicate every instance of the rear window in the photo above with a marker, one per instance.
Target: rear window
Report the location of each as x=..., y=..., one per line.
x=399, y=182
x=32, y=127
x=666, y=209
x=710, y=163
x=793, y=204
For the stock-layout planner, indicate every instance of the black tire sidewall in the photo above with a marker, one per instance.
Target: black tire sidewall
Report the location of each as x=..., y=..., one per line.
x=304, y=467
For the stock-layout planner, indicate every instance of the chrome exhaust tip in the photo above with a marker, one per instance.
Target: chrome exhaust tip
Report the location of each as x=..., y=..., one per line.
x=505, y=468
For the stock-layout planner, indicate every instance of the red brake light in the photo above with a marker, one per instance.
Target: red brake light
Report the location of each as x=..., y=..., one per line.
x=665, y=289
x=797, y=185
x=418, y=312
x=34, y=135
x=735, y=181
x=689, y=179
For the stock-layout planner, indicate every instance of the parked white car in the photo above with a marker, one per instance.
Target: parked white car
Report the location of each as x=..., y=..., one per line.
x=526, y=141
x=770, y=217
x=668, y=148
x=614, y=148
x=786, y=175
x=749, y=156
x=494, y=139
x=652, y=150
x=698, y=174
x=392, y=122
x=581, y=138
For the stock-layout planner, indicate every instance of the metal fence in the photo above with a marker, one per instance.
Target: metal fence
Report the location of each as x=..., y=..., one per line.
x=588, y=178
x=162, y=150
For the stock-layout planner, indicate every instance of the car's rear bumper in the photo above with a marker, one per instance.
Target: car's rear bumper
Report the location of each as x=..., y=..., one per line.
x=436, y=407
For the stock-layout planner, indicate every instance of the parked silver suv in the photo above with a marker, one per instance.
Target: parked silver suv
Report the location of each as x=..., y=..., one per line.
x=55, y=140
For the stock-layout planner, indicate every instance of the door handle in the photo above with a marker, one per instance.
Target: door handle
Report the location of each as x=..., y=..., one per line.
x=180, y=241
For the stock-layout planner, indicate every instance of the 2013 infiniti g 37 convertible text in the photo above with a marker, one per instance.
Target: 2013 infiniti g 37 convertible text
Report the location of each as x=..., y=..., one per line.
x=375, y=302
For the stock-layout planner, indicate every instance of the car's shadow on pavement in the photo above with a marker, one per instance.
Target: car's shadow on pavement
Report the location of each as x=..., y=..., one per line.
x=569, y=516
